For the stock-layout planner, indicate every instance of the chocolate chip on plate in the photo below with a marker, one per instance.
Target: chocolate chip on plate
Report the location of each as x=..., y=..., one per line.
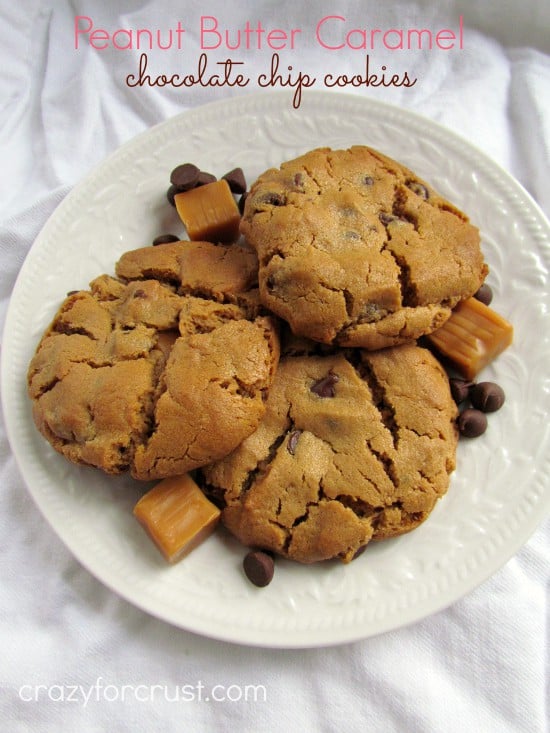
x=471, y=423
x=185, y=176
x=460, y=389
x=487, y=396
x=236, y=180
x=325, y=387
x=165, y=239
x=484, y=294
x=259, y=567
x=172, y=191
x=205, y=178
x=242, y=202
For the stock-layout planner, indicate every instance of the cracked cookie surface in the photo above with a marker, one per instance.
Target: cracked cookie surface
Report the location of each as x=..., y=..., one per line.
x=354, y=446
x=355, y=249
x=161, y=369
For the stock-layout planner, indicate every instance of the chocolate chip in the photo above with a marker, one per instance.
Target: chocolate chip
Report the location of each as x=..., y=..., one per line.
x=241, y=203
x=386, y=218
x=471, y=423
x=487, y=396
x=293, y=441
x=140, y=294
x=418, y=188
x=205, y=178
x=368, y=180
x=165, y=239
x=298, y=180
x=460, y=389
x=484, y=294
x=185, y=176
x=325, y=387
x=72, y=292
x=275, y=199
x=172, y=191
x=236, y=180
x=259, y=567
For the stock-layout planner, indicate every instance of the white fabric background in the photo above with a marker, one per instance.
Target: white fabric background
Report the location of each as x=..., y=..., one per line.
x=481, y=665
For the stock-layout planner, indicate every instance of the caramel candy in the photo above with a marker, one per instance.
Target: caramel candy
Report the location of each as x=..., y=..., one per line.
x=177, y=516
x=209, y=212
x=473, y=336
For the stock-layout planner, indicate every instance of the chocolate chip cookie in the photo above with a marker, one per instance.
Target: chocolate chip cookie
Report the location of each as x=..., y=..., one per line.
x=158, y=370
x=357, y=250
x=354, y=446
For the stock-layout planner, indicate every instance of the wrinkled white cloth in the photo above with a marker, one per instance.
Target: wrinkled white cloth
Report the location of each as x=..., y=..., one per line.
x=69, y=645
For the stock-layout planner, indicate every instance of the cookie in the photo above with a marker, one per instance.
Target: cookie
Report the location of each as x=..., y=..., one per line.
x=354, y=446
x=356, y=250
x=161, y=369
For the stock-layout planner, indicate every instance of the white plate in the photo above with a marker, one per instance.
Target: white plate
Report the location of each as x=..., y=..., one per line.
x=500, y=491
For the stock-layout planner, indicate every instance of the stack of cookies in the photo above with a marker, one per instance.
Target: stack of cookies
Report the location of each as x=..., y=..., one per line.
x=283, y=371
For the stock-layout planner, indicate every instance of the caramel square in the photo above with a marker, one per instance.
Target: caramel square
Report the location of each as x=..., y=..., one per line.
x=209, y=213
x=177, y=516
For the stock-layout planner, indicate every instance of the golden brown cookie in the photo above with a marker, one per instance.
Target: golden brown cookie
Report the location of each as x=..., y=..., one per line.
x=354, y=446
x=355, y=249
x=161, y=369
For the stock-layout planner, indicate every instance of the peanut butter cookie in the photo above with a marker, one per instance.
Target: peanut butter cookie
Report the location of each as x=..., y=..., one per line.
x=355, y=249
x=354, y=446
x=161, y=369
